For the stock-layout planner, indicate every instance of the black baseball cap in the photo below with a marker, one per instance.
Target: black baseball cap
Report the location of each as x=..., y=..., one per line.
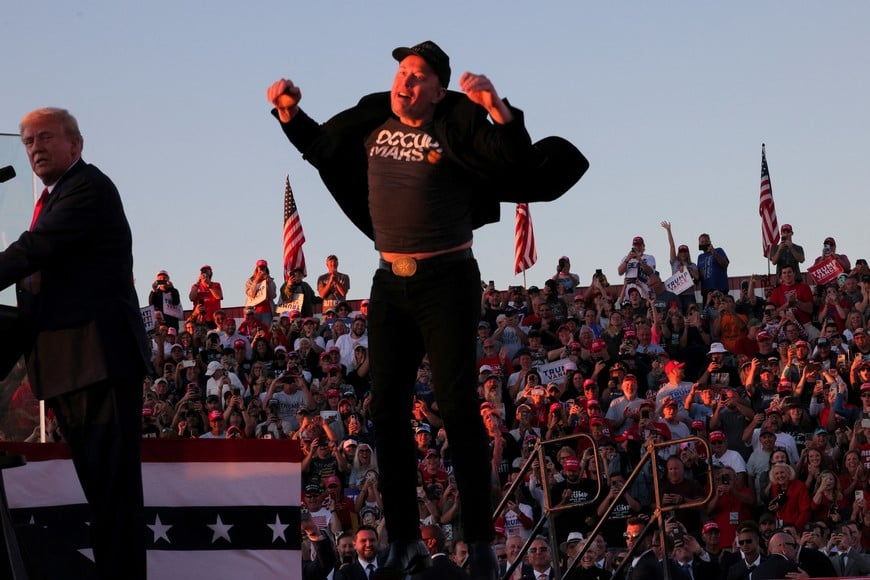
x=432, y=54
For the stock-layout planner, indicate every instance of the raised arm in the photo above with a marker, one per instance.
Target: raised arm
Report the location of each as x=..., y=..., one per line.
x=673, y=254
x=285, y=96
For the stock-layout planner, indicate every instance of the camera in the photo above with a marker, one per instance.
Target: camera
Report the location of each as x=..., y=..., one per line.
x=780, y=498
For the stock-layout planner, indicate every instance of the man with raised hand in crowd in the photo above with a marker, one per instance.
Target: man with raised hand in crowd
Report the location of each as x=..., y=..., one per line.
x=397, y=146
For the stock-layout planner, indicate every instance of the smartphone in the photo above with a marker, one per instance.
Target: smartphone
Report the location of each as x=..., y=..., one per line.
x=859, y=494
x=865, y=423
x=188, y=363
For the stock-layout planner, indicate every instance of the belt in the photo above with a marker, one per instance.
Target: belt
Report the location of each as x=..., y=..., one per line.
x=407, y=266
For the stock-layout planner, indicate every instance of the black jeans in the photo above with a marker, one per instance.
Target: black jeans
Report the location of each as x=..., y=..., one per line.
x=435, y=311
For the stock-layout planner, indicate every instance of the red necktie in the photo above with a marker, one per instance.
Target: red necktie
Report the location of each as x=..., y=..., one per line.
x=38, y=207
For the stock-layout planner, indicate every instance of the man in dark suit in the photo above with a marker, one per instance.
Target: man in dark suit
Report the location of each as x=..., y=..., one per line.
x=84, y=341
x=847, y=559
x=739, y=565
x=512, y=549
x=443, y=568
x=781, y=550
x=366, y=565
x=694, y=562
x=816, y=563
x=541, y=560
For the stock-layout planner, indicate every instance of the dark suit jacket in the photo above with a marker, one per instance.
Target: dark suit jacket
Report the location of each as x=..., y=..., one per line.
x=499, y=159
x=352, y=571
x=647, y=568
x=524, y=569
x=702, y=570
x=774, y=567
x=856, y=565
x=323, y=563
x=532, y=575
x=76, y=297
x=442, y=568
x=733, y=567
x=815, y=563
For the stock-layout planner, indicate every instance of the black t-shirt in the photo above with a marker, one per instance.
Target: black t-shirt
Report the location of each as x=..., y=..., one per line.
x=418, y=199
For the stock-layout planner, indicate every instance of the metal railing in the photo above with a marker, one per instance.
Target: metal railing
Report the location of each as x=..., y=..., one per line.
x=549, y=510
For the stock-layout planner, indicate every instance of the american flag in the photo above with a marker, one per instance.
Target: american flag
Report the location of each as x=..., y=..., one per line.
x=767, y=209
x=525, y=253
x=219, y=509
x=294, y=237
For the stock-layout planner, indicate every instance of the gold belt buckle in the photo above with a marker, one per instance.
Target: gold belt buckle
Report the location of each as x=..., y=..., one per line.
x=405, y=266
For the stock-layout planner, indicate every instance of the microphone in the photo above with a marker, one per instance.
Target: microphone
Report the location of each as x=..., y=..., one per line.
x=6, y=173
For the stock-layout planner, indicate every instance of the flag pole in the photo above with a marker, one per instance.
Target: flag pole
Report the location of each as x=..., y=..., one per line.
x=767, y=257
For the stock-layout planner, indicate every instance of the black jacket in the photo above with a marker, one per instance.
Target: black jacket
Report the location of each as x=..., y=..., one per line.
x=79, y=310
x=500, y=160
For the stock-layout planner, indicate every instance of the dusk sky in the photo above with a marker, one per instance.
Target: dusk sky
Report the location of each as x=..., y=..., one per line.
x=669, y=101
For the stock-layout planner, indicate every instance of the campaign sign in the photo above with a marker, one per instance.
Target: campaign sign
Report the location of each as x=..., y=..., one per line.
x=825, y=271
x=679, y=282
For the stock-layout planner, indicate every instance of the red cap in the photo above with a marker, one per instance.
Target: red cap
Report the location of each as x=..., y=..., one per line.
x=717, y=436
x=763, y=335
x=262, y=264
x=147, y=412
x=786, y=227
x=598, y=345
x=698, y=425
x=784, y=385
x=637, y=240
x=239, y=343
x=593, y=403
x=215, y=415
x=672, y=365
x=589, y=383
x=629, y=334
x=709, y=527
x=555, y=407
x=571, y=464
x=332, y=393
x=683, y=248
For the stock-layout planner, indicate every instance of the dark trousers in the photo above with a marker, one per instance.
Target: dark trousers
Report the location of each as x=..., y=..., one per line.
x=436, y=312
x=102, y=424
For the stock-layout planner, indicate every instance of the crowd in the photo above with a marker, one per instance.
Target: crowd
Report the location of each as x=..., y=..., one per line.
x=775, y=376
